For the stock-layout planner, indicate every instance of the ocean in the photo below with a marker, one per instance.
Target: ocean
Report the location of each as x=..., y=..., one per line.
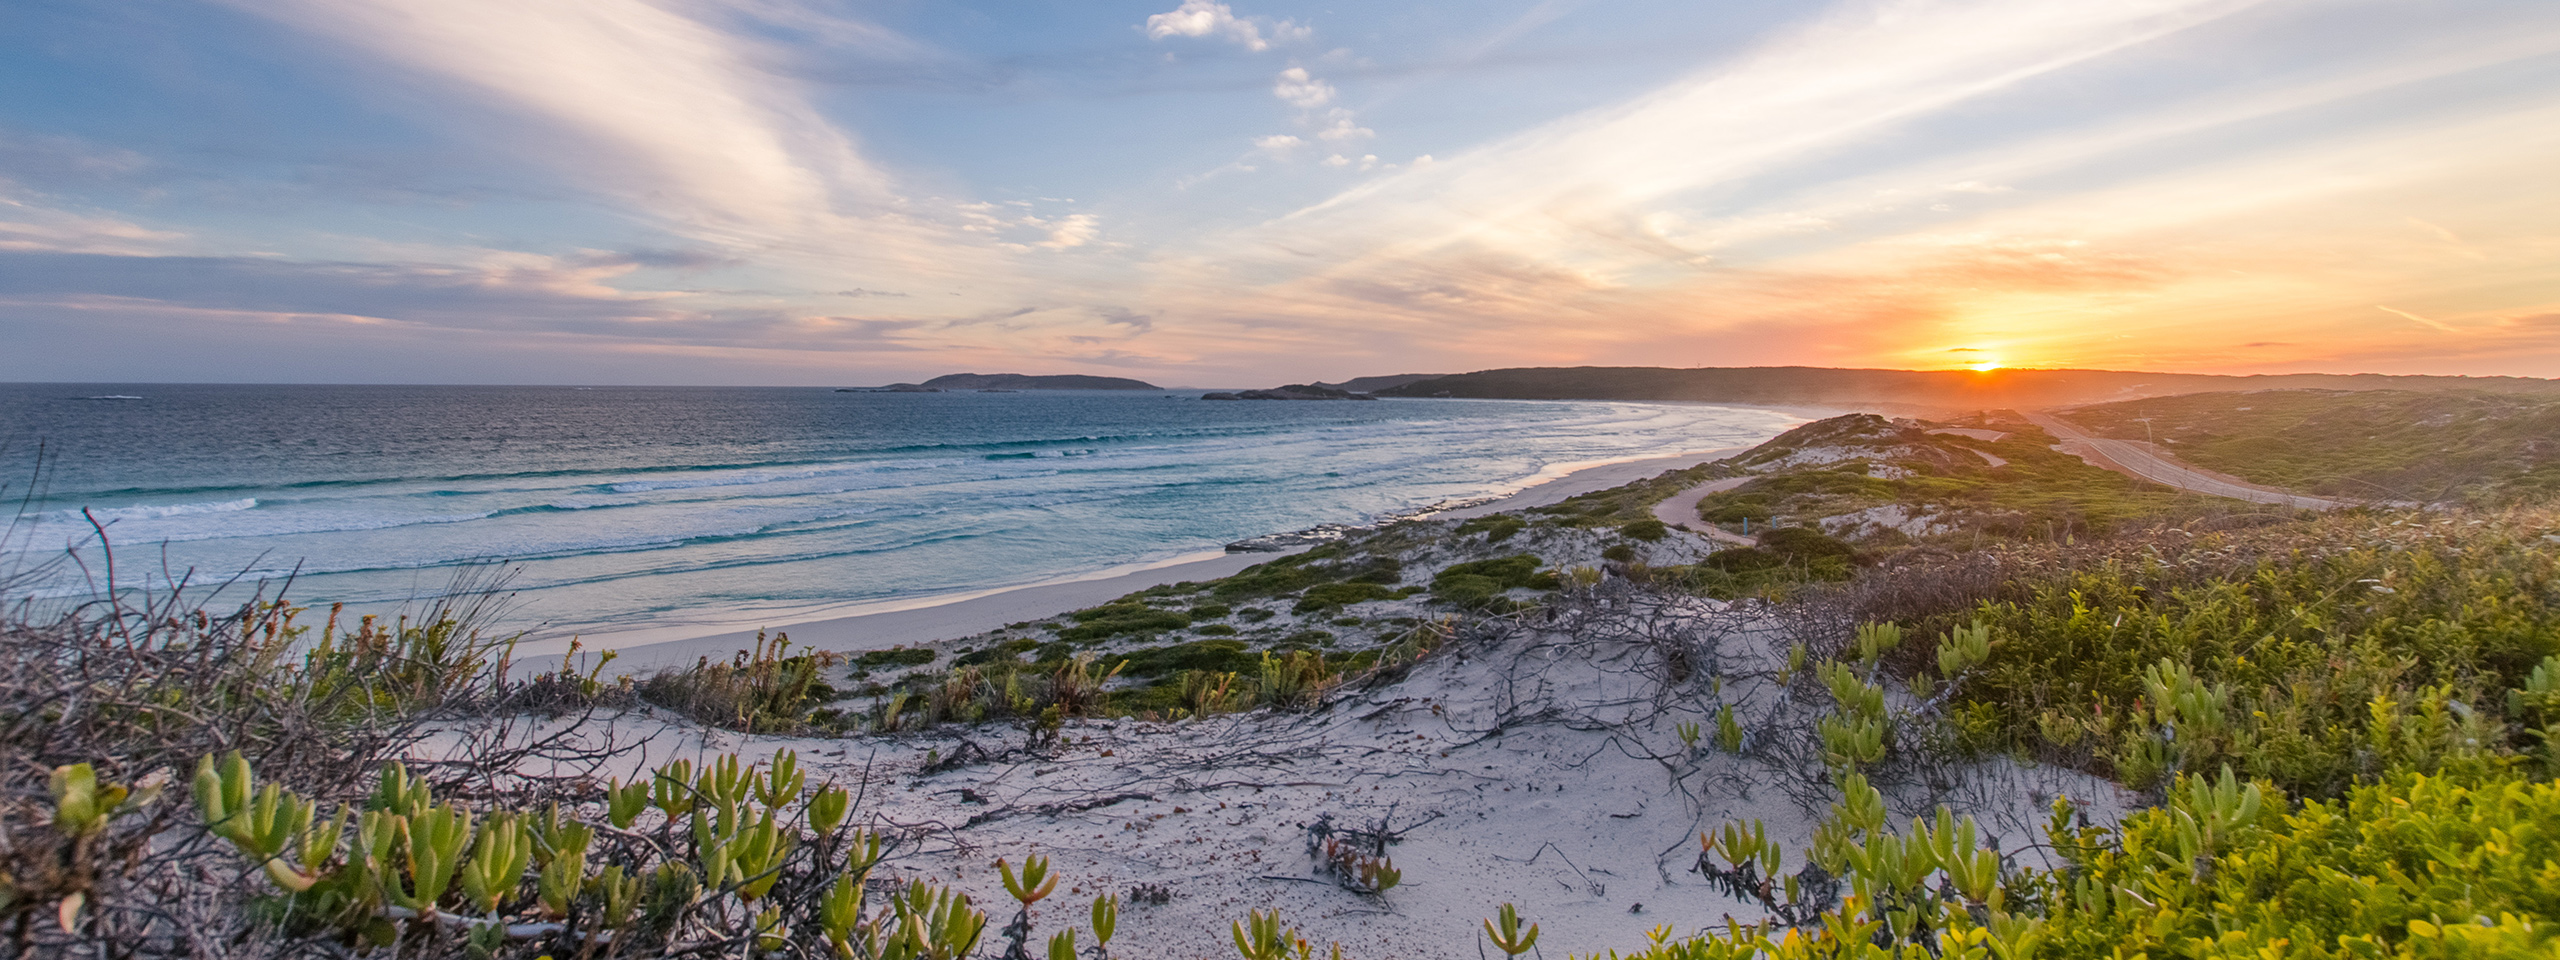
x=627, y=508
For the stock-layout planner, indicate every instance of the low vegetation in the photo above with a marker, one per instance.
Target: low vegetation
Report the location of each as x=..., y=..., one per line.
x=1890, y=482
x=2448, y=447
x=764, y=690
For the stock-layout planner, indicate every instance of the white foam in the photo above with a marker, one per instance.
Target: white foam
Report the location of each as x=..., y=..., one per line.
x=154, y=512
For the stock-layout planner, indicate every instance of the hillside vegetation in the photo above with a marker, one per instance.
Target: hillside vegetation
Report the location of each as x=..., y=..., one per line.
x=1884, y=482
x=2459, y=446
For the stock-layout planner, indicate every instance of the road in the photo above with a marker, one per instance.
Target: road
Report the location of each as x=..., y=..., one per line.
x=2140, y=461
x=1682, y=511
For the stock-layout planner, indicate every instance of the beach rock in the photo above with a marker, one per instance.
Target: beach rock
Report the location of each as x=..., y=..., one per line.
x=1283, y=542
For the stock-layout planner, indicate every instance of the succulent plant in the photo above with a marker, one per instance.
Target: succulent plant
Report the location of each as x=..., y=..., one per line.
x=1506, y=934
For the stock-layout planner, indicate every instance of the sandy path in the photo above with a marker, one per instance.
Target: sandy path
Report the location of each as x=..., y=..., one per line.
x=1682, y=511
x=2140, y=461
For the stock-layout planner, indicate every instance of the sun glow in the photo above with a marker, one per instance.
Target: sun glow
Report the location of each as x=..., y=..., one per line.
x=1983, y=366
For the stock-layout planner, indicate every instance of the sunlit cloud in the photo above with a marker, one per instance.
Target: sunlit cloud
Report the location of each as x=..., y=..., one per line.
x=1580, y=232
x=689, y=186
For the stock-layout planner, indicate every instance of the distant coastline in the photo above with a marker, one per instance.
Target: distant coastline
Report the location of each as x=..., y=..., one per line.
x=1008, y=382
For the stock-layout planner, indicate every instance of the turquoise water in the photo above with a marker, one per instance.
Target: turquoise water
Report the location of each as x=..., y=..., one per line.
x=631, y=507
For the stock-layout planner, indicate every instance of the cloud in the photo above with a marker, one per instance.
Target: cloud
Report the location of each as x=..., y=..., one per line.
x=508, y=292
x=1201, y=18
x=48, y=160
x=2436, y=324
x=32, y=223
x=675, y=109
x=1074, y=230
x=1299, y=90
x=1279, y=144
x=661, y=259
x=1342, y=128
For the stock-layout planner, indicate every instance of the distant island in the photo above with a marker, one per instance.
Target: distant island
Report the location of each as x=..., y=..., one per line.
x=1294, y=391
x=1009, y=381
x=1375, y=384
x=1914, y=390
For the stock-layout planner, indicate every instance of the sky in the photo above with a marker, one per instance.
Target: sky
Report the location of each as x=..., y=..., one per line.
x=1207, y=193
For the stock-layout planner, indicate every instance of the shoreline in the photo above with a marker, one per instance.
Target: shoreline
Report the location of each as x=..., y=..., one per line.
x=932, y=619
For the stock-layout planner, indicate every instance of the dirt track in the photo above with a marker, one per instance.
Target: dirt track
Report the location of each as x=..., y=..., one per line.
x=1682, y=511
x=2138, y=460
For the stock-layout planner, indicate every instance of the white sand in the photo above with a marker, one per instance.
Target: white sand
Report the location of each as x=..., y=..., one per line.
x=1543, y=770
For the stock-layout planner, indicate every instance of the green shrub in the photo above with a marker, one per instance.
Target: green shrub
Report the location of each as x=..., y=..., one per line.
x=1209, y=611
x=1481, y=584
x=2335, y=648
x=1329, y=596
x=894, y=657
x=766, y=690
x=1207, y=655
x=1216, y=630
x=1648, y=529
x=1120, y=619
x=1285, y=575
x=1619, y=552
x=2413, y=866
x=1512, y=572
x=1009, y=651
x=1254, y=614
x=1466, y=589
x=1804, y=544
x=1496, y=528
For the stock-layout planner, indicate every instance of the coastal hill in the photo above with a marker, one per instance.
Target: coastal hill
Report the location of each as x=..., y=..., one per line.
x=1009, y=381
x=1917, y=390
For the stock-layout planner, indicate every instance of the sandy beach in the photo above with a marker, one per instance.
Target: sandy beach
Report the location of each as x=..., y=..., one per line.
x=933, y=619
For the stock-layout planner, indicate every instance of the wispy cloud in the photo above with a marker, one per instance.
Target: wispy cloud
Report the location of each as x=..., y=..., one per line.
x=672, y=110
x=31, y=222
